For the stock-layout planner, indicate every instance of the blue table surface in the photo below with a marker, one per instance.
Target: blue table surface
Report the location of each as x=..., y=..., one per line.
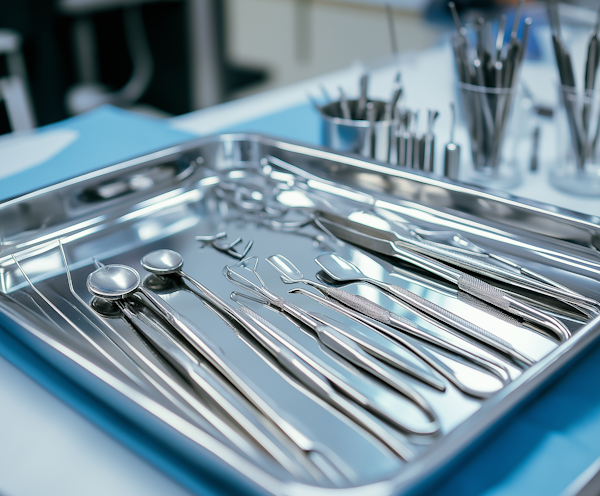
x=539, y=451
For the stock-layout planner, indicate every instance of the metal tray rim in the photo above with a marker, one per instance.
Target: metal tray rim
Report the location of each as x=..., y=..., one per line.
x=589, y=221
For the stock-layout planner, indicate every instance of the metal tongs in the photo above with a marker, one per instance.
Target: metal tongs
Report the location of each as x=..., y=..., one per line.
x=379, y=237
x=333, y=336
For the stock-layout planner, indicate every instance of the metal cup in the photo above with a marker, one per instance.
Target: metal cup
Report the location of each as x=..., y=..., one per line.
x=356, y=136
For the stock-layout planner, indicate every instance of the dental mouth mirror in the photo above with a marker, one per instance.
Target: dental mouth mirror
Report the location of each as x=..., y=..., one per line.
x=168, y=262
x=113, y=282
x=163, y=262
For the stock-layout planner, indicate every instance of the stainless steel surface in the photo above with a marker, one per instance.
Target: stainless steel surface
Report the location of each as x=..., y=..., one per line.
x=345, y=134
x=362, y=126
x=195, y=197
x=206, y=383
x=169, y=262
x=320, y=375
x=333, y=334
x=382, y=140
x=454, y=241
x=118, y=281
x=166, y=262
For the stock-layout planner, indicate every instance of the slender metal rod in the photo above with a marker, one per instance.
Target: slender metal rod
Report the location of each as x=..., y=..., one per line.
x=392, y=28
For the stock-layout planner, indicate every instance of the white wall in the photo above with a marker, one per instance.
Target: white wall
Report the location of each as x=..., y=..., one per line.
x=265, y=33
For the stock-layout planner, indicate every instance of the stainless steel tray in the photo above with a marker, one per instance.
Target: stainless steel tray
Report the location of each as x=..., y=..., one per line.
x=165, y=199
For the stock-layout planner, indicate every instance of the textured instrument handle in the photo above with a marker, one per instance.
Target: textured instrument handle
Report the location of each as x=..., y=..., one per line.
x=489, y=309
x=494, y=296
x=469, y=262
x=381, y=314
x=484, y=291
x=360, y=304
x=422, y=351
x=448, y=316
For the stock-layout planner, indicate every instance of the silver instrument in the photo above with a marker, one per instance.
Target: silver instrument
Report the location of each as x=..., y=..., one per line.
x=450, y=240
x=445, y=335
x=361, y=105
x=334, y=337
x=390, y=243
x=394, y=137
x=318, y=376
x=482, y=381
x=452, y=151
x=454, y=241
x=206, y=420
x=370, y=128
x=381, y=349
x=405, y=139
x=204, y=381
x=466, y=256
x=355, y=307
x=416, y=139
x=341, y=270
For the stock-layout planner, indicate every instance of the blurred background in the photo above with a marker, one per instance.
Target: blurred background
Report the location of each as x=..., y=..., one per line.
x=164, y=58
